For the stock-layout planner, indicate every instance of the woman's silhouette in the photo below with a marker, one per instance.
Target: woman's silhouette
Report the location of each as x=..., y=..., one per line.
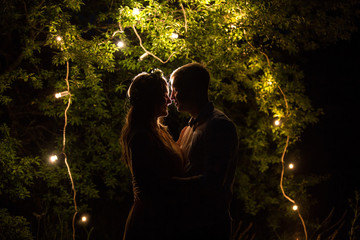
x=153, y=158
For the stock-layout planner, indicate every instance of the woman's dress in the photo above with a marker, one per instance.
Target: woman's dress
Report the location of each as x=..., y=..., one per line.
x=156, y=198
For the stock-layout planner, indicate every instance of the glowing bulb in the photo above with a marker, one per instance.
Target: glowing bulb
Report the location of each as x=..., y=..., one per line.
x=58, y=38
x=61, y=94
x=291, y=165
x=143, y=56
x=53, y=158
x=84, y=219
x=136, y=11
x=120, y=44
x=295, y=207
x=174, y=35
x=277, y=122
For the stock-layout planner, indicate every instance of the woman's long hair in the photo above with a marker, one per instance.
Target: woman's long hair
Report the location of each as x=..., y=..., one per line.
x=146, y=93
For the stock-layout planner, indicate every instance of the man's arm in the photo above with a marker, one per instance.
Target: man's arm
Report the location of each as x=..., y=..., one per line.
x=221, y=143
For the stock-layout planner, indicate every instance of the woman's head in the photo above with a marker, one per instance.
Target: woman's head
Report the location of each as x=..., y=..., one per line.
x=149, y=95
x=149, y=99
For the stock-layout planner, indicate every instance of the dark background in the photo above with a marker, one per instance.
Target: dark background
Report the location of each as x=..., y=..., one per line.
x=330, y=147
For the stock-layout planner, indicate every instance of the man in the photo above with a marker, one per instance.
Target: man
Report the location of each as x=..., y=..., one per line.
x=210, y=144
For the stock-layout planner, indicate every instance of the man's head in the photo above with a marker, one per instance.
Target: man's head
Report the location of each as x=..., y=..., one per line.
x=190, y=85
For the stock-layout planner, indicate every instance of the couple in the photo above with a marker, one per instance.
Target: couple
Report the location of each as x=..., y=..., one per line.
x=182, y=190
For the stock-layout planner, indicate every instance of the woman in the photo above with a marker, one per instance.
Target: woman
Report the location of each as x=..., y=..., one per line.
x=153, y=158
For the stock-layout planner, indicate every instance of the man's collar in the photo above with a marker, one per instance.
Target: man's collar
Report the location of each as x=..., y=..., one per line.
x=204, y=113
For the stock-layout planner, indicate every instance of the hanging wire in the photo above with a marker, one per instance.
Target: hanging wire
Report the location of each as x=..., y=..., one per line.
x=286, y=143
x=64, y=145
x=148, y=52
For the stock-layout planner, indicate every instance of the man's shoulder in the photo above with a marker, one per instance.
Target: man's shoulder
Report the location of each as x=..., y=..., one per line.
x=219, y=120
x=219, y=117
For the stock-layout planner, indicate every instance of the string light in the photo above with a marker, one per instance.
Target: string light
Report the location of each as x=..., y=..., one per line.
x=277, y=122
x=120, y=44
x=143, y=56
x=295, y=207
x=53, y=158
x=62, y=94
x=148, y=52
x=174, y=36
x=84, y=219
x=291, y=166
x=136, y=11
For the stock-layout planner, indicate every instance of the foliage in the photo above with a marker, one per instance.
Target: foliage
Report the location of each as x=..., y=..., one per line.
x=17, y=173
x=250, y=47
x=354, y=229
x=14, y=227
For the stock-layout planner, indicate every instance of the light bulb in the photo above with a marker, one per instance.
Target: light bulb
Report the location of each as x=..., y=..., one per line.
x=53, y=158
x=232, y=26
x=174, y=35
x=58, y=38
x=277, y=122
x=291, y=165
x=143, y=56
x=120, y=44
x=295, y=207
x=61, y=94
x=84, y=219
x=136, y=11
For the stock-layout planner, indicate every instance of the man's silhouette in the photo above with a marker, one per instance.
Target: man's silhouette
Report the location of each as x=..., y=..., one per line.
x=210, y=144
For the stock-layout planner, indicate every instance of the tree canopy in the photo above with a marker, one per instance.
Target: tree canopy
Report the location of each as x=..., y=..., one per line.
x=92, y=49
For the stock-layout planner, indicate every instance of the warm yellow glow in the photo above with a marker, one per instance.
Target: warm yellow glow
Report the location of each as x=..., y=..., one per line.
x=136, y=11
x=83, y=218
x=174, y=35
x=59, y=38
x=295, y=207
x=53, y=158
x=291, y=166
x=120, y=44
x=277, y=122
x=61, y=94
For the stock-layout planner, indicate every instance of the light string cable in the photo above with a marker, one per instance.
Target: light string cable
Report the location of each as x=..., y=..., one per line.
x=147, y=52
x=185, y=19
x=63, y=148
x=286, y=143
